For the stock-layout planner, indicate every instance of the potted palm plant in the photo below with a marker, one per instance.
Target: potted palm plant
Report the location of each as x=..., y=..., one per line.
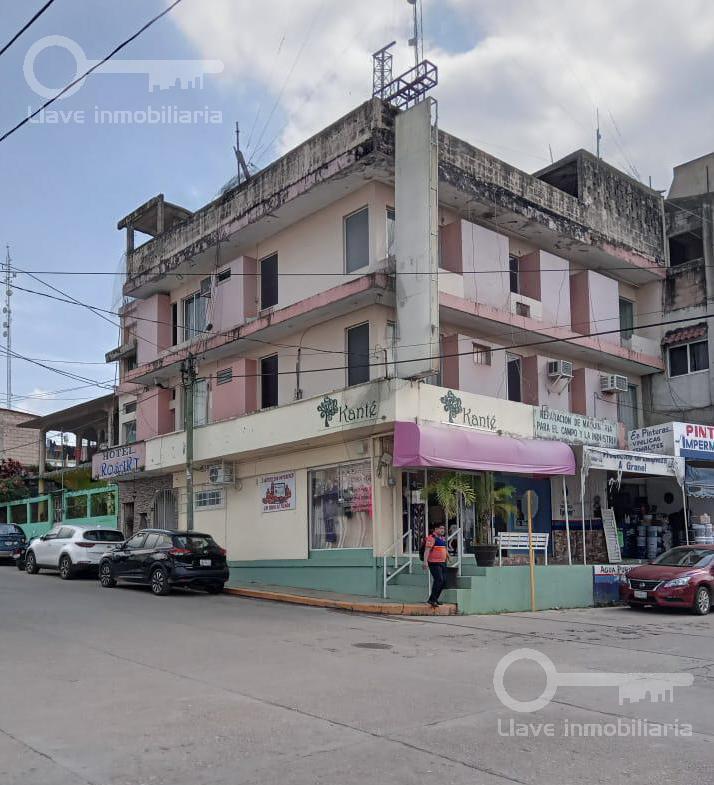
x=491, y=502
x=449, y=489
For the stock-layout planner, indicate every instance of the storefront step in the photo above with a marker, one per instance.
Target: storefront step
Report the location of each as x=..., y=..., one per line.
x=419, y=578
x=417, y=594
x=412, y=605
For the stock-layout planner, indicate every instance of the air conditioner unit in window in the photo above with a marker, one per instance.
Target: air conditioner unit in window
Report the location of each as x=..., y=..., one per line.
x=614, y=383
x=221, y=474
x=560, y=369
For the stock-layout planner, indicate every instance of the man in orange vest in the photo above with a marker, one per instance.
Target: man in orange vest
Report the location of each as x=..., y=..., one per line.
x=436, y=556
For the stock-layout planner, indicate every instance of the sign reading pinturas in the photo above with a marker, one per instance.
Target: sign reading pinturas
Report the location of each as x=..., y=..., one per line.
x=685, y=439
x=117, y=461
x=574, y=428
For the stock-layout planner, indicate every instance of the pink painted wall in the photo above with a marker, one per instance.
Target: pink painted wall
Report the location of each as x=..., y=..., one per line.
x=451, y=257
x=551, y=393
x=153, y=415
x=530, y=380
x=586, y=397
x=153, y=326
x=235, y=299
x=530, y=275
x=479, y=378
x=450, y=367
x=484, y=250
x=555, y=289
x=237, y=397
x=595, y=305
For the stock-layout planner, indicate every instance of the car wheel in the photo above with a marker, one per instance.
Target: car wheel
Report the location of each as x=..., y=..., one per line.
x=106, y=576
x=65, y=568
x=20, y=564
x=702, y=601
x=214, y=588
x=31, y=564
x=160, y=582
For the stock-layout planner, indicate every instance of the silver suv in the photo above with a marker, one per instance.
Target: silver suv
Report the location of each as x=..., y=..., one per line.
x=70, y=548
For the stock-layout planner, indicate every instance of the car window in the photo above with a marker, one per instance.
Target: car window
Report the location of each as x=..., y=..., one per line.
x=103, y=535
x=196, y=543
x=136, y=542
x=165, y=541
x=683, y=557
x=65, y=533
x=151, y=540
x=9, y=528
x=51, y=534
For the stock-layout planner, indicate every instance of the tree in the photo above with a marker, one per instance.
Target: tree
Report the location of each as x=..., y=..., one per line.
x=491, y=502
x=12, y=481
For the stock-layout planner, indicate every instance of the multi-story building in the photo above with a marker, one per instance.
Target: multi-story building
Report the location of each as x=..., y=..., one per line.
x=382, y=288
x=15, y=443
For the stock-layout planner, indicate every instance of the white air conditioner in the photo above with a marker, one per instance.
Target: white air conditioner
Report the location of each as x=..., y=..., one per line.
x=221, y=474
x=560, y=369
x=614, y=383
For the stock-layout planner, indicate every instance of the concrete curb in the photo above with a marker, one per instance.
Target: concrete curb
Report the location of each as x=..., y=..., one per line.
x=367, y=606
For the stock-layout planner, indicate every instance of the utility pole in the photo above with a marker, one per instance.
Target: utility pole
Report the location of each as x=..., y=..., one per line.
x=7, y=327
x=188, y=379
x=598, y=135
x=241, y=165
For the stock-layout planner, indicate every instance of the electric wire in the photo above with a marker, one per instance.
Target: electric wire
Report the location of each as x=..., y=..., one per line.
x=26, y=26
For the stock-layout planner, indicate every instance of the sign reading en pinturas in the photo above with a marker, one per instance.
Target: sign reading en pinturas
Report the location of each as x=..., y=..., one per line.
x=112, y=463
x=685, y=439
x=574, y=428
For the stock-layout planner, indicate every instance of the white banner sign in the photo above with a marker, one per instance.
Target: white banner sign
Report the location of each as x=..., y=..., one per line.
x=277, y=492
x=633, y=463
x=655, y=438
x=685, y=439
x=574, y=428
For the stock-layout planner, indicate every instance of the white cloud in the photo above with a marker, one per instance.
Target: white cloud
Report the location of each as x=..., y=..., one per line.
x=524, y=74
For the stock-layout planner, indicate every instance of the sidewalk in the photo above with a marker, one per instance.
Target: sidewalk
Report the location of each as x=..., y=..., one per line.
x=345, y=602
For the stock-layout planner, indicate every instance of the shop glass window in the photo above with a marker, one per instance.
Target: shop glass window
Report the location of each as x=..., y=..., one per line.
x=513, y=377
x=358, y=354
x=688, y=358
x=18, y=513
x=269, y=381
x=357, y=240
x=341, y=506
x=194, y=316
x=269, y=281
x=103, y=504
x=76, y=507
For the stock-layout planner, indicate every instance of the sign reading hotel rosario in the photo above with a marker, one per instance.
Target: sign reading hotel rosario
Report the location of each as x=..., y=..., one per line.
x=108, y=464
x=574, y=428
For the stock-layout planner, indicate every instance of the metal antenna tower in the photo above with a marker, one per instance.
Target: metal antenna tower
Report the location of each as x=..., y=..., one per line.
x=417, y=40
x=382, y=70
x=7, y=325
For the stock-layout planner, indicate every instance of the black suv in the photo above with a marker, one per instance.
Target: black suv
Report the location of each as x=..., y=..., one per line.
x=162, y=558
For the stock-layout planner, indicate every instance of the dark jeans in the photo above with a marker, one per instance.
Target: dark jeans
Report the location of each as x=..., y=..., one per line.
x=438, y=580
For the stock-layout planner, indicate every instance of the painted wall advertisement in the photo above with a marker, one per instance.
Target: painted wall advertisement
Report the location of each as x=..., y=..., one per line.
x=277, y=492
x=112, y=463
x=574, y=428
x=684, y=439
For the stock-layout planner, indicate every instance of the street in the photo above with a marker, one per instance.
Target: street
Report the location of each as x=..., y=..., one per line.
x=120, y=687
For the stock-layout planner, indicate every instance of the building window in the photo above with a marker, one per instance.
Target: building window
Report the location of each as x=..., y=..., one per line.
x=391, y=218
x=627, y=319
x=129, y=432
x=130, y=363
x=208, y=498
x=224, y=376
x=174, y=324
x=130, y=407
x=357, y=240
x=391, y=367
x=482, y=354
x=688, y=358
x=200, y=402
x=194, y=316
x=341, y=506
x=358, y=354
x=269, y=381
x=514, y=274
x=513, y=377
x=685, y=247
x=269, y=281
x=223, y=275
x=627, y=408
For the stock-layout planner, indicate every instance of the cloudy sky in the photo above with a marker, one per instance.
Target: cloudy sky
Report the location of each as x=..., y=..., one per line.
x=520, y=78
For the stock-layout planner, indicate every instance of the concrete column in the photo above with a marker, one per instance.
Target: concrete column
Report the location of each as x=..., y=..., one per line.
x=129, y=239
x=160, y=217
x=43, y=461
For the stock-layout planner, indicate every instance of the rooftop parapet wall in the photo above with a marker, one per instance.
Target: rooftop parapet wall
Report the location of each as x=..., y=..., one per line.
x=323, y=157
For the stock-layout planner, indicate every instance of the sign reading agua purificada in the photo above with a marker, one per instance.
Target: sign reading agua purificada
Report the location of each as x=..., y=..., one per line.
x=334, y=413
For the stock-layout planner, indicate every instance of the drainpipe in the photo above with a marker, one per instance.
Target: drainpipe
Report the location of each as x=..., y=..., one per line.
x=298, y=391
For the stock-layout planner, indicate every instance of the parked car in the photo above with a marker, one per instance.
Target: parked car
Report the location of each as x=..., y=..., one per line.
x=11, y=538
x=162, y=558
x=682, y=577
x=20, y=552
x=70, y=548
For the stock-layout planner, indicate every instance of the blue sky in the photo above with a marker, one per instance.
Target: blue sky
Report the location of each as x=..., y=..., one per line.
x=516, y=77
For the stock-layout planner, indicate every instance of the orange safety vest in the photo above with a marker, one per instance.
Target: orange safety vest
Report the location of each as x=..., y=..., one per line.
x=438, y=553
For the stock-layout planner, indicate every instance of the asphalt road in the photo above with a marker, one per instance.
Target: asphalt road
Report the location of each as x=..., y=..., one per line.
x=120, y=687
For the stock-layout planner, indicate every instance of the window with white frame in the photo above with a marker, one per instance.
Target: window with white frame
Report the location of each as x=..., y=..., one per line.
x=129, y=432
x=688, y=358
x=194, y=316
x=627, y=408
x=391, y=223
x=207, y=498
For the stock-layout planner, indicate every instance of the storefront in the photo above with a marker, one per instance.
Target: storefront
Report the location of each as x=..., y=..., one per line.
x=694, y=443
x=635, y=483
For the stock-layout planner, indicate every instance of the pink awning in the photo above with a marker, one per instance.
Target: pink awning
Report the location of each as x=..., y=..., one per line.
x=454, y=447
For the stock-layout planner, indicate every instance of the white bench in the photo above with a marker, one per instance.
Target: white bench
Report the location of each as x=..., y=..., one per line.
x=519, y=540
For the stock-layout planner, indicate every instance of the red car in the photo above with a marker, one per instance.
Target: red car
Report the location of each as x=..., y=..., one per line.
x=683, y=577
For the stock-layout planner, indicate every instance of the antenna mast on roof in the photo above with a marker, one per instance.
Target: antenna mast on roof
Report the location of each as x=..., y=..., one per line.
x=7, y=325
x=598, y=135
x=417, y=40
x=243, y=173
